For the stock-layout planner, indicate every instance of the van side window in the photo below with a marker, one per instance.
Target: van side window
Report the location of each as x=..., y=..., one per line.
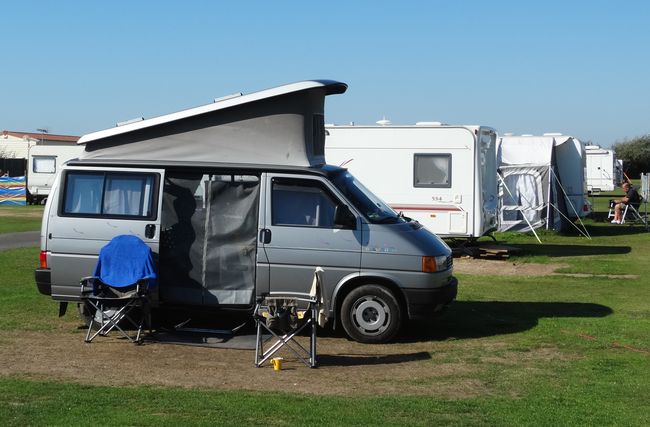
x=109, y=194
x=432, y=170
x=304, y=203
x=44, y=164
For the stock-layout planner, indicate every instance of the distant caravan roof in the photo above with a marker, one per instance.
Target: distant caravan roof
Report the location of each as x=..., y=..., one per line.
x=279, y=126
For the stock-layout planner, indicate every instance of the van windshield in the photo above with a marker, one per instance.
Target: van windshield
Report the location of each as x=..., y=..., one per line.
x=375, y=209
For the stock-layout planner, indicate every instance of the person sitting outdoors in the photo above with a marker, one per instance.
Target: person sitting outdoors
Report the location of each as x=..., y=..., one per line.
x=631, y=198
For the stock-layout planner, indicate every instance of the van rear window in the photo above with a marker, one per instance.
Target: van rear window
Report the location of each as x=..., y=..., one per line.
x=109, y=194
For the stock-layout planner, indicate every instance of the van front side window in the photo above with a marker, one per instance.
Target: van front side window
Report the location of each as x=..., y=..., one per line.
x=301, y=203
x=109, y=194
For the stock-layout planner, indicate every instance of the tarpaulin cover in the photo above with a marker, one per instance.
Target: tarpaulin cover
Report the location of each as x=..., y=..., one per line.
x=208, y=244
x=13, y=191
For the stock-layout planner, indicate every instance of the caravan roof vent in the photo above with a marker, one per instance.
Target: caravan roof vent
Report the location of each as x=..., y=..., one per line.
x=128, y=122
x=428, y=124
x=527, y=134
x=232, y=95
x=383, y=122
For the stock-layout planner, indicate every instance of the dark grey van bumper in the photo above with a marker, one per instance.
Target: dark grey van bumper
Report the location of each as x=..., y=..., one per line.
x=424, y=303
x=43, y=280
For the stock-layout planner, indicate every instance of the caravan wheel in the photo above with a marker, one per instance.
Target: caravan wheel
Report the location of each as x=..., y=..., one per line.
x=371, y=314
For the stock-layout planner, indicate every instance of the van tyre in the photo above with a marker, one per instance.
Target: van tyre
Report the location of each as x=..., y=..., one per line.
x=371, y=314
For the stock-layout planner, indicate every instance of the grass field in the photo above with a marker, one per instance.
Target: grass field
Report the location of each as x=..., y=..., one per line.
x=20, y=218
x=567, y=349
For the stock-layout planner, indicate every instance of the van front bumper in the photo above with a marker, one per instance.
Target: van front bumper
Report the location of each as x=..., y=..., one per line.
x=424, y=303
x=43, y=280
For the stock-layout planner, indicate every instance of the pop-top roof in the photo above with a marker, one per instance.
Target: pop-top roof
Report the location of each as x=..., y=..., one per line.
x=282, y=125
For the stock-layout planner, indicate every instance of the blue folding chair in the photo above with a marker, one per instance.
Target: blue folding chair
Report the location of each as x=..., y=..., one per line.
x=118, y=292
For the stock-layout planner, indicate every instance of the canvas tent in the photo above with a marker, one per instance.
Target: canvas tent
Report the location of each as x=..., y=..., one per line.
x=541, y=182
x=212, y=157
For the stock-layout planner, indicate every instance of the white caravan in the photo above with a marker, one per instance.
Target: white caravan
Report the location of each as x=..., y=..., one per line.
x=443, y=176
x=43, y=164
x=542, y=181
x=604, y=171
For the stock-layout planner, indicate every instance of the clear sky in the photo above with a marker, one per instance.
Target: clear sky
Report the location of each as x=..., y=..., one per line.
x=577, y=67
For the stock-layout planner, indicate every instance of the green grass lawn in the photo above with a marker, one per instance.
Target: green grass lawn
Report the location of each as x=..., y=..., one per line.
x=20, y=218
x=594, y=330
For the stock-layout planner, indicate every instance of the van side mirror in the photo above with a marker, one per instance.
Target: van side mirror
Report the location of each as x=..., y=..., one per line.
x=344, y=217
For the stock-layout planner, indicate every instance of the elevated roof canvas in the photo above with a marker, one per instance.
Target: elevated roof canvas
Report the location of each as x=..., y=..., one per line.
x=278, y=126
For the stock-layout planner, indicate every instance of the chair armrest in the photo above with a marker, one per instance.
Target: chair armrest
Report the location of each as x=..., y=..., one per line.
x=88, y=282
x=142, y=286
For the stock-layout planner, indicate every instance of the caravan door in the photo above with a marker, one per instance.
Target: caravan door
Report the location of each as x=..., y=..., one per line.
x=300, y=234
x=92, y=206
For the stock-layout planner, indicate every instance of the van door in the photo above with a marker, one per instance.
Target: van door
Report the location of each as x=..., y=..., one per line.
x=300, y=234
x=93, y=205
x=209, y=242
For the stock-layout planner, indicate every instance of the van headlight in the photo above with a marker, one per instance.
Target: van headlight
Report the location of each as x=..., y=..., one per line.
x=432, y=264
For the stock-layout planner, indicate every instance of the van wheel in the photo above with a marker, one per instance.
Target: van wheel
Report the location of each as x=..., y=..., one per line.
x=371, y=314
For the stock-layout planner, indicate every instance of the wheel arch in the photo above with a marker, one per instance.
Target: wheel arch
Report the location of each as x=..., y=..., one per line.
x=347, y=284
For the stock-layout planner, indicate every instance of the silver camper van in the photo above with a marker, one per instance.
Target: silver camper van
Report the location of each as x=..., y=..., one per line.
x=235, y=200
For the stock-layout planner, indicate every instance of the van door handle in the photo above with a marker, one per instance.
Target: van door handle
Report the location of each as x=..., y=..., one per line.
x=265, y=236
x=150, y=231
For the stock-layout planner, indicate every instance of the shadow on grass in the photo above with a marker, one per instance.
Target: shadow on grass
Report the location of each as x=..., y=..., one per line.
x=370, y=359
x=478, y=319
x=616, y=230
x=571, y=250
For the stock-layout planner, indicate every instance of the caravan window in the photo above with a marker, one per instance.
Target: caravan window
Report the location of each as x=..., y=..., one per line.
x=302, y=203
x=110, y=194
x=432, y=170
x=44, y=164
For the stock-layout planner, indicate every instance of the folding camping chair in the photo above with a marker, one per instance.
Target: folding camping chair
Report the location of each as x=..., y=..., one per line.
x=278, y=314
x=118, y=293
x=634, y=215
x=612, y=205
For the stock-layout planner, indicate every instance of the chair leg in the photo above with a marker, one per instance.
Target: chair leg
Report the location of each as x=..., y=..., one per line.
x=110, y=322
x=305, y=355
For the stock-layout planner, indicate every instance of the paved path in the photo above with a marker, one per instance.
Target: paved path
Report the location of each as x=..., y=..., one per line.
x=19, y=240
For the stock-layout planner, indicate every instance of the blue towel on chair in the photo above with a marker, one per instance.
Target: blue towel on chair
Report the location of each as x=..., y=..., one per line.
x=125, y=260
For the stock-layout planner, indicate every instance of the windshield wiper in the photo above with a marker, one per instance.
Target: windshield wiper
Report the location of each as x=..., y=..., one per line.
x=387, y=220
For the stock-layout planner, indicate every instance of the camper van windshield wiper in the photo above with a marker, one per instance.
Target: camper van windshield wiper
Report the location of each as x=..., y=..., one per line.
x=388, y=220
x=375, y=209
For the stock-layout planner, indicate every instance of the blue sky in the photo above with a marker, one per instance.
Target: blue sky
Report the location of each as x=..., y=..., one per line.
x=577, y=67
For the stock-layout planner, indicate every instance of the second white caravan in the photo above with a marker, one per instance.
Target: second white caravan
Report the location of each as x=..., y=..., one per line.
x=604, y=171
x=44, y=162
x=443, y=176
